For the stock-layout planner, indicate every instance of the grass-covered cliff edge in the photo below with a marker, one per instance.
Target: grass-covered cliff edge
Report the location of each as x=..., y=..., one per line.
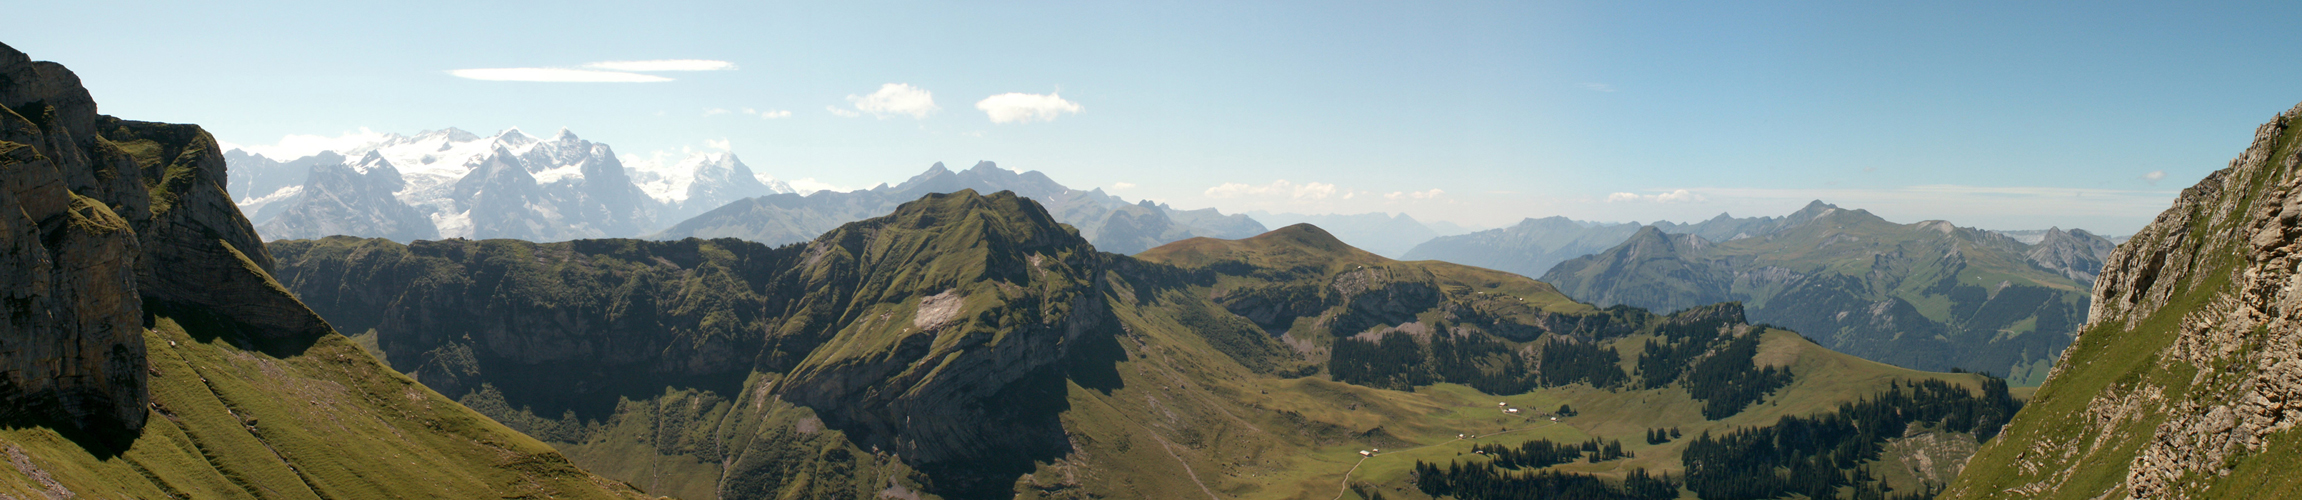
x=2187, y=380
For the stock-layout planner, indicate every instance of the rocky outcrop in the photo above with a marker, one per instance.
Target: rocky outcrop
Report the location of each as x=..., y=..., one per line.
x=2246, y=343
x=109, y=219
x=2191, y=361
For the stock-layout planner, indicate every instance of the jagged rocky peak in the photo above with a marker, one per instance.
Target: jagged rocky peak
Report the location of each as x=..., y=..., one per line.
x=88, y=249
x=2189, y=355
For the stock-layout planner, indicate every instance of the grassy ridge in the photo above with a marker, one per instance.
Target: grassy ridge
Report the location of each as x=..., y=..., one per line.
x=328, y=422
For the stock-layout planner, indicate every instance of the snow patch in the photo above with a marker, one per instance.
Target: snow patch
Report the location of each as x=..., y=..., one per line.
x=251, y=204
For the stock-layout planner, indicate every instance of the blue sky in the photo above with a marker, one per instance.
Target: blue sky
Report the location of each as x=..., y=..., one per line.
x=2004, y=115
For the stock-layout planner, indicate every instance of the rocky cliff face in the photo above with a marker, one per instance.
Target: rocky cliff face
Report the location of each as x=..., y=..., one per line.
x=108, y=219
x=2188, y=377
x=145, y=352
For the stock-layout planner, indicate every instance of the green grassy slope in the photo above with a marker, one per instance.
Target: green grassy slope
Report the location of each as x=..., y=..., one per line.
x=328, y=422
x=2174, y=389
x=969, y=347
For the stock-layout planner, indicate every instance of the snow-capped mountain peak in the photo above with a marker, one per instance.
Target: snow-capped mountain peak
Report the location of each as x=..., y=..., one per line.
x=513, y=137
x=506, y=185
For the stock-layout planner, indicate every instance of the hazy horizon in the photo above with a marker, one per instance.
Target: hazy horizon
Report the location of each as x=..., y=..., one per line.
x=1994, y=116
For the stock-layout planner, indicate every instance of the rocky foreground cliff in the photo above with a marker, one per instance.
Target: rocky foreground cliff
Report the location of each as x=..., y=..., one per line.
x=146, y=352
x=2187, y=380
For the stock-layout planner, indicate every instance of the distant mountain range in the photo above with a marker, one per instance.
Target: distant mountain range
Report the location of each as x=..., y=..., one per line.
x=1110, y=223
x=1384, y=234
x=1533, y=246
x=1928, y=295
x=454, y=184
x=1527, y=248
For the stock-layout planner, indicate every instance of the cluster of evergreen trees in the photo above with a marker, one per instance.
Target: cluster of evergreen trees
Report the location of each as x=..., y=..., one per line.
x=1570, y=362
x=1731, y=380
x=1483, y=481
x=1675, y=347
x=1726, y=379
x=1660, y=436
x=1529, y=455
x=1601, y=451
x=1399, y=361
x=1815, y=456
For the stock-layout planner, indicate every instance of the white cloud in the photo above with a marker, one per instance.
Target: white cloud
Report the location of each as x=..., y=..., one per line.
x=295, y=146
x=1674, y=196
x=1122, y=186
x=809, y=186
x=719, y=144
x=715, y=111
x=663, y=65
x=1015, y=107
x=773, y=113
x=2154, y=176
x=1415, y=195
x=554, y=75
x=896, y=99
x=841, y=112
x=1601, y=87
x=1278, y=188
